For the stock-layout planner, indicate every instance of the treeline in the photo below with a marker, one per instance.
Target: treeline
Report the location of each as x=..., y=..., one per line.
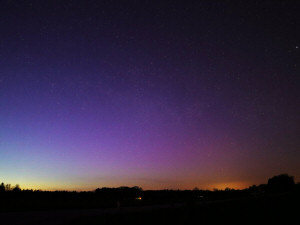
x=14, y=198
x=8, y=187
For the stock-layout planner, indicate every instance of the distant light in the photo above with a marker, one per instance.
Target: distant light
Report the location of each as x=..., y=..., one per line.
x=138, y=198
x=297, y=46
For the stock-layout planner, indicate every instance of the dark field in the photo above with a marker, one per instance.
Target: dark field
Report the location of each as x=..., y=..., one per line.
x=277, y=202
x=279, y=209
x=271, y=209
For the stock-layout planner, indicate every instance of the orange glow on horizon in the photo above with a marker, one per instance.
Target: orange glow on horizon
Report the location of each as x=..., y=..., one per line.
x=231, y=185
x=66, y=187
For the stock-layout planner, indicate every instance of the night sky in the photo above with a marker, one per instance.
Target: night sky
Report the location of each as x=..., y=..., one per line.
x=158, y=94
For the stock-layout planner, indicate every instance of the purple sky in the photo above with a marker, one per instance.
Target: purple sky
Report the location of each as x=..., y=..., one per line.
x=158, y=95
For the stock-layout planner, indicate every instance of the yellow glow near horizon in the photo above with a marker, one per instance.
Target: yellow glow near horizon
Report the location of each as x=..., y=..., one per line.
x=69, y=187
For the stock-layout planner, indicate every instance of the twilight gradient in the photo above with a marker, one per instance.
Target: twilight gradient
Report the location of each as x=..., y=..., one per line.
x=159, y=95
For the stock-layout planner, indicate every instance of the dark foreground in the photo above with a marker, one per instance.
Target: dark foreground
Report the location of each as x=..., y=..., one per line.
x=272, y=209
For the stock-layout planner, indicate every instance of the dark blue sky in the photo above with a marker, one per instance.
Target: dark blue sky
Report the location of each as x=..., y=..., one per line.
x=156, y=94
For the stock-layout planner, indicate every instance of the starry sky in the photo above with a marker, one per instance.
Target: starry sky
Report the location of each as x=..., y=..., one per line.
x=158, y=94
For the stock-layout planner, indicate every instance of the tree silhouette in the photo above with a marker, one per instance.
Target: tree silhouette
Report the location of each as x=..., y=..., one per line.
x=2, y=187
x=16, y=188
x=7, y=187
x=281, y=183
